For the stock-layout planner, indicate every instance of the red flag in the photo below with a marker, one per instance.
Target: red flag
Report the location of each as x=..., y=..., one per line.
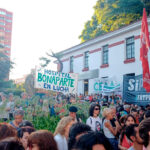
x=145, y=45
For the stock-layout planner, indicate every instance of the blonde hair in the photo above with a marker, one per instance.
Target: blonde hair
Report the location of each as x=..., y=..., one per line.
x=60, y=129
x=106, y=111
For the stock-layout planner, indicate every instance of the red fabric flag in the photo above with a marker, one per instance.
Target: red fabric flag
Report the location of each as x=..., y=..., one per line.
x=145, y=45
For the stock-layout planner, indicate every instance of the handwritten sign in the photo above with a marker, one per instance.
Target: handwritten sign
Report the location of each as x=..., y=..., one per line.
x=56, y=81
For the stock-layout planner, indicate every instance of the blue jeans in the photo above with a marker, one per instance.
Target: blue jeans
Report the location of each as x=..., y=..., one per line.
x=114, y=143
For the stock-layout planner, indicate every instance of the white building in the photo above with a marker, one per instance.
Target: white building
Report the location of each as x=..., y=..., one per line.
x=113, y=54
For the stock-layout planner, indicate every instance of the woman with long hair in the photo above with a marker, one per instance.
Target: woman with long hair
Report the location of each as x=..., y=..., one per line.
x=124, y=142
x=94, y=120
x=62, y=131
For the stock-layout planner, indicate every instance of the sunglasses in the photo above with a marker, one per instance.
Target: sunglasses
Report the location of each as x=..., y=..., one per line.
x=96, y=109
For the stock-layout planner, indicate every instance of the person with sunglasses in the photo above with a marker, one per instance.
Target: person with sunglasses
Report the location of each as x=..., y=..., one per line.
x=94, y=120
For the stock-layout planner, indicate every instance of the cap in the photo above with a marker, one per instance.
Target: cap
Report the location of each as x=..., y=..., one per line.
x=73, y=109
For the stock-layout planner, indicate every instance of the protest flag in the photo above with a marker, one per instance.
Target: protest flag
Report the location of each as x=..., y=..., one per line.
x=145, y=45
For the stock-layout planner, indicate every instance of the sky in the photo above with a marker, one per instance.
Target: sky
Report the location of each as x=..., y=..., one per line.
x=43, y=25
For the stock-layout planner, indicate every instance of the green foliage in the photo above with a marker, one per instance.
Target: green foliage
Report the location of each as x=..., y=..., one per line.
x=147, y=5
x=45, y=60
x=5, y=66
x=9, y=87
x=91, y=30
x=14, y=91
x=6, y=84
x=39, y=114
x=47, y=123
x=111, y=15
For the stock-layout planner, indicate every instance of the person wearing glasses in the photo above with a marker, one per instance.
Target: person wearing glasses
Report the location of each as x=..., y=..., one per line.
x=94, y=120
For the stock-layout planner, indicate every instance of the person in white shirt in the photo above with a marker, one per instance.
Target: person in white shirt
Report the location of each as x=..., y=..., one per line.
x=3, y=112
x=10, y=106
x=94, y=120
x=62, y=131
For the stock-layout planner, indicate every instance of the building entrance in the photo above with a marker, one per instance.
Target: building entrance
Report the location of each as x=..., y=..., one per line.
x=86, y=86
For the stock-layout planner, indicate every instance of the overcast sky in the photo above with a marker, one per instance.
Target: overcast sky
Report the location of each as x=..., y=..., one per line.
x=42, y=25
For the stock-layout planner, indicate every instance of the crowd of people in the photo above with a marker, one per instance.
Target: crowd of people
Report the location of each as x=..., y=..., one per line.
x=111, y=125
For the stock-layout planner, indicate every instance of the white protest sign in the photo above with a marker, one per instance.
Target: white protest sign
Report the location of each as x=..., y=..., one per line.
x=56, y=81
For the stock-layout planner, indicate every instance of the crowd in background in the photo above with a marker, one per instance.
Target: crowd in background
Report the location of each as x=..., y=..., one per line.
x=111, y=125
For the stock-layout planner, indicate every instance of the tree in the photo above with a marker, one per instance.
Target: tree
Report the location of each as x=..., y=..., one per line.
x=48, y=60
x=110, y=15
x=29, y=84
x=5, y=66
x=147, y=6
x=91, y=30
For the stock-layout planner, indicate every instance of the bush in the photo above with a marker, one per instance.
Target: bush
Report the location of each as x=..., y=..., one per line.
x=47, y=123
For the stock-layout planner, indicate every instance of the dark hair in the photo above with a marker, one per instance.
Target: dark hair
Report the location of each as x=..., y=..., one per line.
x=130, y=116
x=10, y=143
x=123, y=132
x=76, y=129
x=133, y=110
x=122, y=119
x=26, y=123
x=130, y=131
x=91, y=109
x=6, y=130
x=87, y=141
x=22, y=130
x=73, y=109
x=144, y=128
x=44, y=139
x=147, y=106
x=147, y=113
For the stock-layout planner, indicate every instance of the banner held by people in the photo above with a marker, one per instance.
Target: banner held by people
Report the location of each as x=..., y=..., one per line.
x=133, y=91
x=106, y=85
x=56, y=81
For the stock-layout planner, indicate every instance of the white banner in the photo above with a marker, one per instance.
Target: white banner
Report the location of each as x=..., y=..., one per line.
x=106, y=85
x=56, y=81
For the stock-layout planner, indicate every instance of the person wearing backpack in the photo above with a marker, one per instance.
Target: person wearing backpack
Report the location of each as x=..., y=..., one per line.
x=94, y=120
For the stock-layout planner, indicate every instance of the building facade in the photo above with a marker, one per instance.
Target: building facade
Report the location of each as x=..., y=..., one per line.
x=5, y=31
x=111, y=55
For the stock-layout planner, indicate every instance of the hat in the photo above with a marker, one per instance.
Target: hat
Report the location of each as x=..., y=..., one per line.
x=73, y=109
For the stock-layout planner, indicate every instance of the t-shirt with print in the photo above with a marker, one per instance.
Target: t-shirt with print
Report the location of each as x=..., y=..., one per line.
x=94, y=123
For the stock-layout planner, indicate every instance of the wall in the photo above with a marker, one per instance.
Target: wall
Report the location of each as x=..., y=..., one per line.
x=117, y=66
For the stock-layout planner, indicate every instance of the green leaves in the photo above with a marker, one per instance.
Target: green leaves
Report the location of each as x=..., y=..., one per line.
x=47, y=123
x=45, y=60
x=110, y=15
x=5, y=66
